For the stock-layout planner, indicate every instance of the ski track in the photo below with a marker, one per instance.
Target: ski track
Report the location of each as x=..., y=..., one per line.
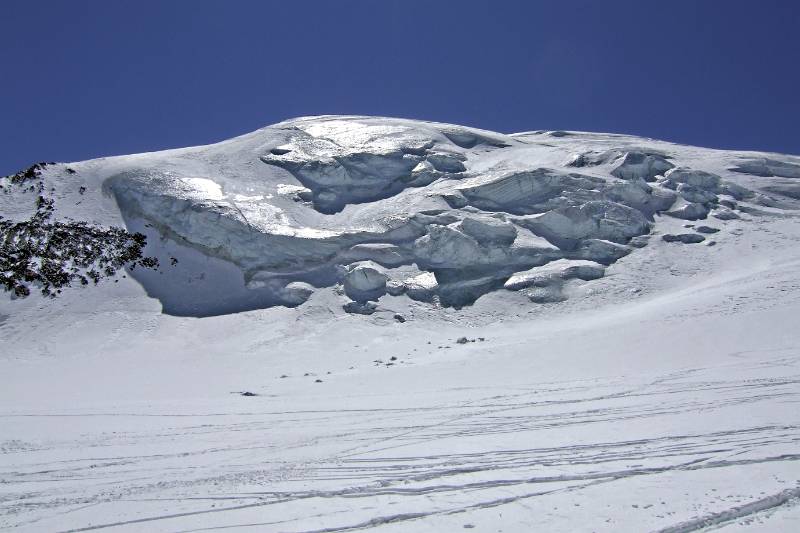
x=374, y=456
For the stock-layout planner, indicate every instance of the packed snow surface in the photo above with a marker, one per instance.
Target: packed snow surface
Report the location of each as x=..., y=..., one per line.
x=373, y=323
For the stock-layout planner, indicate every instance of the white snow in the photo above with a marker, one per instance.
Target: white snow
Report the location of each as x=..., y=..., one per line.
x=438, y=328
x=297, y=201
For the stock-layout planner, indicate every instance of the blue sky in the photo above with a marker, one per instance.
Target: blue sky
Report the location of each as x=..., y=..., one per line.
x=84, y=79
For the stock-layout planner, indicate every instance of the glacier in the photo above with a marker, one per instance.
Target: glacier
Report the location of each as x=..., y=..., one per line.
x=305, y=200
x=340, y=323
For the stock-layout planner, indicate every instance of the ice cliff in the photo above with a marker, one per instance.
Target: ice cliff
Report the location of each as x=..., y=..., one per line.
x=380, y=208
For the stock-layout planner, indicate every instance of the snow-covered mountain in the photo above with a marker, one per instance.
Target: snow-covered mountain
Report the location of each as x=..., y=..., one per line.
x=436, y=327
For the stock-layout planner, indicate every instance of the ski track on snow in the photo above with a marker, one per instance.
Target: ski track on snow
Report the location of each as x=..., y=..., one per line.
x=377, y=457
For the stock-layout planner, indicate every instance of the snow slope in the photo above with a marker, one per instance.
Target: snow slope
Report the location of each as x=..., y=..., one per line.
x=439, y=327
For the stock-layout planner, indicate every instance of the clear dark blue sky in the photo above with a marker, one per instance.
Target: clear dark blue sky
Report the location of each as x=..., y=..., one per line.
x=83, y=79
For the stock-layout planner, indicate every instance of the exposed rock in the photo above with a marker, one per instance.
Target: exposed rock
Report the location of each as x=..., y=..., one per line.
x=52, y=254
